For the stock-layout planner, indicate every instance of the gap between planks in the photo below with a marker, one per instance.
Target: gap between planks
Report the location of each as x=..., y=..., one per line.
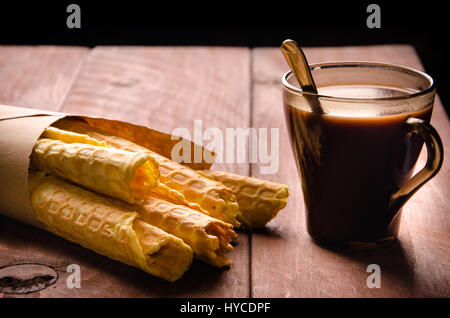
x=75, y=77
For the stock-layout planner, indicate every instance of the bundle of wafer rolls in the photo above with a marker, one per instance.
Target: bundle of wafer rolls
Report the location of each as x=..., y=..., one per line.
x=134, y=205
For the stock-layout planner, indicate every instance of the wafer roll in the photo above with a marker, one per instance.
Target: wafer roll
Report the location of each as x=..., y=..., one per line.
x=208, y=237
x=259, y=200
x=198, y=192
x=178, y=183
x=71, y=137
x=121, y=174
x=99, y=224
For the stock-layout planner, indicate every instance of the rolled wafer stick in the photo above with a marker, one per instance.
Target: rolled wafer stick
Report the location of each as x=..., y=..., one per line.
x=121, y=174
x=259, y=200
x=177, y=183
x=71, y=137
x=208, y=237
x=99, y=224
x=198, y=192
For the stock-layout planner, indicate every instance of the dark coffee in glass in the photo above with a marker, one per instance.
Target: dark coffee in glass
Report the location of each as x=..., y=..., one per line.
x=356, y=159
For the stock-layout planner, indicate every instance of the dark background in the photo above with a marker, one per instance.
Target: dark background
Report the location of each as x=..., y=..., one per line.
x=236, y=23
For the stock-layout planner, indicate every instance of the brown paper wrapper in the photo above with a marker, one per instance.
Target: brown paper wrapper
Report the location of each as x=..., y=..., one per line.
x=20, y=128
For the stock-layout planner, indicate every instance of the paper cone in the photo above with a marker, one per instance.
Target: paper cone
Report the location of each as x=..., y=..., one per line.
x=20, y=128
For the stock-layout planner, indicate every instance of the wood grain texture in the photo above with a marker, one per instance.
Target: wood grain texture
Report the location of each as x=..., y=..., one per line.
x=286, y=263
x=38, y=76
x=165, y=88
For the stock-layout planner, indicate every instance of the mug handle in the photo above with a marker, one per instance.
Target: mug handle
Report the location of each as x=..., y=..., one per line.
x=435, y=158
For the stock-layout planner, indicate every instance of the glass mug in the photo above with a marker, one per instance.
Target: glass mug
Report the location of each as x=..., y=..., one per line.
x=356, y=156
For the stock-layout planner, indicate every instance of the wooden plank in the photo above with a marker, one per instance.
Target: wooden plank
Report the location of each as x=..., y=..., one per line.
x=38, y=76
x=164, y=88
x=283, y=254
x=35, y=77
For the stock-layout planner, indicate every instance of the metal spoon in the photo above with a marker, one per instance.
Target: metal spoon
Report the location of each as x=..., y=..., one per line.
x=299, y=65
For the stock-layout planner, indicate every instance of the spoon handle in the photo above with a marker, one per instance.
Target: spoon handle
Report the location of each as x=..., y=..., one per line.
x=298, y=64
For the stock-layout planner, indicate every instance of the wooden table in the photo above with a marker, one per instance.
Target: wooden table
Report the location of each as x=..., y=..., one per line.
x=169, y=87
